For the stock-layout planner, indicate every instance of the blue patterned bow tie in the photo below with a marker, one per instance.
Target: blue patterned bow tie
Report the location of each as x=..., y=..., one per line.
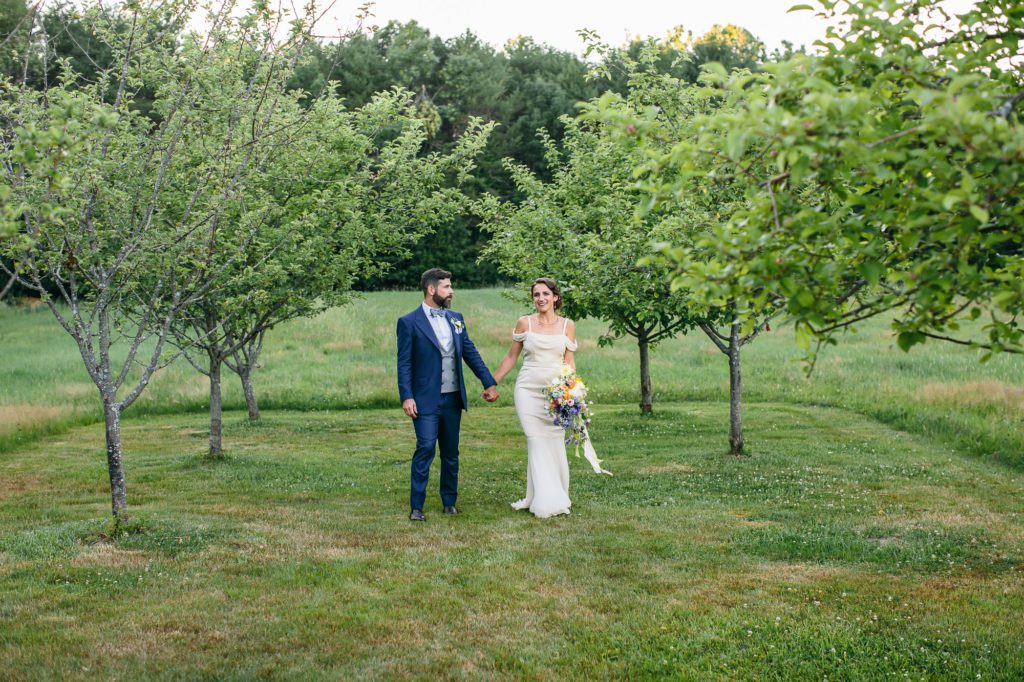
x=436, y=312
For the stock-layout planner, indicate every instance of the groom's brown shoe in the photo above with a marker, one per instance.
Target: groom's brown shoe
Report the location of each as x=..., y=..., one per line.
x=417, y=515
x=451, y=510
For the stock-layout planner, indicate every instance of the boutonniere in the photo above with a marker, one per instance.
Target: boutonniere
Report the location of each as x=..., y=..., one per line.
x=457, y=323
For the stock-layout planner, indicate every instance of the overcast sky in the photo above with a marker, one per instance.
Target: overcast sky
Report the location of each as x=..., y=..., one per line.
x=555, y=22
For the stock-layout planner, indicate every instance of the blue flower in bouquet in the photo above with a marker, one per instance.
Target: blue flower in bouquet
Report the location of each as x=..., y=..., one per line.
x=567, y=405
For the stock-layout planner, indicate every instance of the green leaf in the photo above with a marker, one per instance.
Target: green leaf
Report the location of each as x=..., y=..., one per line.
x=735, y=143
x=907, y=340
x=799, y=8
x=803, y=336
x=716, y=68
x=872, y=271
x=979, y=213
x=951, y=200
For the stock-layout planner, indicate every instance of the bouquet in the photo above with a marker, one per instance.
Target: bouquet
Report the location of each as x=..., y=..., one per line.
x=567, y=406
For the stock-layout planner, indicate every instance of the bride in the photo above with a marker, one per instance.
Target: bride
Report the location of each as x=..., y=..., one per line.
x=547, y=341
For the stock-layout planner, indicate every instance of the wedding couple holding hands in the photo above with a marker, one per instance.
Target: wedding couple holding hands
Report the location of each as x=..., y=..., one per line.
x=433, y=342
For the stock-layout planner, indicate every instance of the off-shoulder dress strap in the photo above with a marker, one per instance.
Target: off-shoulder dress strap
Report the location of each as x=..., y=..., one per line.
x=569, y=343
x=521, y=336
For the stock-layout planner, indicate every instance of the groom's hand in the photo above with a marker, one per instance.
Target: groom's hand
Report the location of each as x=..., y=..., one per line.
x=409, y=405
x=490, y=394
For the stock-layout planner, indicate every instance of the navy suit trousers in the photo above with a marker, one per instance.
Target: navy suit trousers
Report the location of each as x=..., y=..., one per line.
x=439, y=429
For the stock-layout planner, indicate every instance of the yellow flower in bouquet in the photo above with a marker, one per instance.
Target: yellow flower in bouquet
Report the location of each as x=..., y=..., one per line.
x=566, y=396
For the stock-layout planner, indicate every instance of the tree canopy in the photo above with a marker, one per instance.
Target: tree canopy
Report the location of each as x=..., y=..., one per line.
x=881, y=177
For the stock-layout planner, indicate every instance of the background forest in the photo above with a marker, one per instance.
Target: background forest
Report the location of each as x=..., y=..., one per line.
x=523, y=86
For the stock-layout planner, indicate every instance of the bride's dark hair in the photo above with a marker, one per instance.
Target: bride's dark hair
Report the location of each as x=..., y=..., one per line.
x=550, y=284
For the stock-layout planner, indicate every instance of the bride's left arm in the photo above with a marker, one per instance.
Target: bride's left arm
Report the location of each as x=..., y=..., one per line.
x=568, y=358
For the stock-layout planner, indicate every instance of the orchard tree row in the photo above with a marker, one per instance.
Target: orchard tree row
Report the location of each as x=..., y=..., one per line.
x=178, y=194
x=522, y=87
x=226, y=205
x=882, y=176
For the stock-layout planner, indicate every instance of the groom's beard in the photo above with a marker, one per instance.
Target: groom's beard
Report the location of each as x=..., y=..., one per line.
x=443, y=302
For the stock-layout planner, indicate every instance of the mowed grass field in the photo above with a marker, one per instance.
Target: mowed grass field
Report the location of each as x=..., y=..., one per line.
x=344, y=359
x=875, y=532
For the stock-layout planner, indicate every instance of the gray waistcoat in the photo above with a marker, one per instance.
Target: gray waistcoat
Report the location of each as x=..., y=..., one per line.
x=449, y=382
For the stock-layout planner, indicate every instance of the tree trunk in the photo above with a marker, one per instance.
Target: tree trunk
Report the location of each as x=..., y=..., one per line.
x=115, y=462
x=216, y=412
x=646, y=394
x=250, y=394
x=735, y=392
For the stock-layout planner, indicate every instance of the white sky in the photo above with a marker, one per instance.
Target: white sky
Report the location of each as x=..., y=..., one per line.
x=555, y=22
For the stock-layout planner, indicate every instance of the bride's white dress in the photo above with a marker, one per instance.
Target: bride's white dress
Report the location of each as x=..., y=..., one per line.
x=547, y=469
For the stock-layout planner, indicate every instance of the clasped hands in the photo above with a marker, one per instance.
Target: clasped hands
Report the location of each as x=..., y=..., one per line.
x=490, y=394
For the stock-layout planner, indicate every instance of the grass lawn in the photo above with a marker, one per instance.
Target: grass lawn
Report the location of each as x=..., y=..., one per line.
x=346, y=358
x=875, y=532
x=842, y=549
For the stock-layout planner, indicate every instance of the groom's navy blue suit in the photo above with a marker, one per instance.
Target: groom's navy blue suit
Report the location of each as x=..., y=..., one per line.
x=439, y=415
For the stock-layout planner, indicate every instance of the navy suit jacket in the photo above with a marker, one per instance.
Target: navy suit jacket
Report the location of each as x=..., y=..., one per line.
x=419, y=360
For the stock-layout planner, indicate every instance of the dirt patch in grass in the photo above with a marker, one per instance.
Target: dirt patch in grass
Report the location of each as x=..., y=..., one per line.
x=989, y=392
x=710, y=594
x=797, y=573
x=947, y=507
x=997, y=526
x=108, y=555
x=341, y=552
x=18, y=485
x=14, y=417
x=978, y=517
x=957, y=591
x=305, y=542
x=758, y=523
x=159, y=640
x=921, y=499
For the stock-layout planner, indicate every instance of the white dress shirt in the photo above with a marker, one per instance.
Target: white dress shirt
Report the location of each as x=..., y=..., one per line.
x=442, y=329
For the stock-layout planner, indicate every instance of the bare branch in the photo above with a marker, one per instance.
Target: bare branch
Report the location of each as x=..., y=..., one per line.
x=28, y=16
x=1007, y=107
x=10, y=283
x=973, y=344
x=891, y=138
x=770, y=183
x=140, y=335
x=744, y=340
x=977, y=38
x=715, y=336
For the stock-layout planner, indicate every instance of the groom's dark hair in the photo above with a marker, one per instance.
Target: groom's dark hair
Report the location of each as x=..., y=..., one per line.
x=431, y=277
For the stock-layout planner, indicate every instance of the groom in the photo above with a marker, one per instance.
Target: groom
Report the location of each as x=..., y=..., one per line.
x=432, y=343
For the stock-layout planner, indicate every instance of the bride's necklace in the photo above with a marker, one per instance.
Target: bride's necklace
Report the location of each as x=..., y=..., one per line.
x=547, y=324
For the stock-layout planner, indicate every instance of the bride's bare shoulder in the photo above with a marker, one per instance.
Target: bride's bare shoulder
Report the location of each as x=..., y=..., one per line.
x=522, y=324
